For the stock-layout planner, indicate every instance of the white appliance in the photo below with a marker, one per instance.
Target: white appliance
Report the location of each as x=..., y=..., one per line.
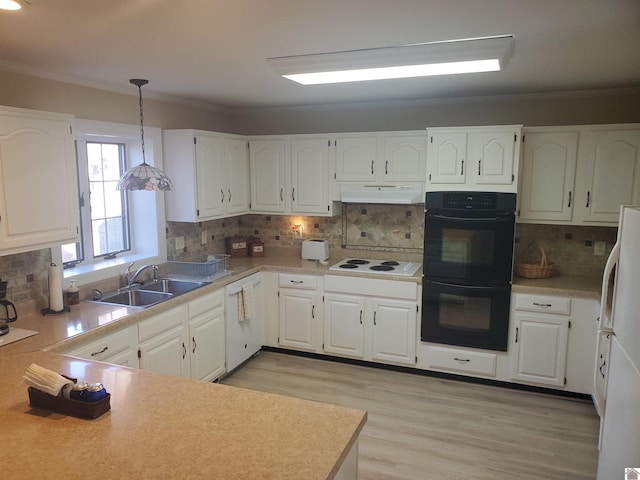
x=315, y=249
x=244, y=338
x=380, y=267
x=619, y=406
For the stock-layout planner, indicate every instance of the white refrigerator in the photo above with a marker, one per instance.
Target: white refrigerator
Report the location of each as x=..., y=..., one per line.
x=619, y=403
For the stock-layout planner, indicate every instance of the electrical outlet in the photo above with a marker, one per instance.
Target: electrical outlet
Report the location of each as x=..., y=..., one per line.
x=203, y=237
x=599, y=248
x=179, y=243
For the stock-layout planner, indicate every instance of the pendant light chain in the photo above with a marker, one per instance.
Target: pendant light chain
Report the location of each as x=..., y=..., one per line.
x=141, y=122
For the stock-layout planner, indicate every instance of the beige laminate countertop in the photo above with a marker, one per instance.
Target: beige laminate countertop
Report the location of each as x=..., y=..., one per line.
x=165, y=427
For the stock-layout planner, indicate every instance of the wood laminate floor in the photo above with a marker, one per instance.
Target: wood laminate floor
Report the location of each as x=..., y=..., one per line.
x=428, y=428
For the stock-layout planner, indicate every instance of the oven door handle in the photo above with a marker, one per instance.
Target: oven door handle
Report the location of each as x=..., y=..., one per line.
x=505, y=219
x=488, y=288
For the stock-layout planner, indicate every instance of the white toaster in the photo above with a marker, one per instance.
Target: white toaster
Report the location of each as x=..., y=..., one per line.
x=315, y=249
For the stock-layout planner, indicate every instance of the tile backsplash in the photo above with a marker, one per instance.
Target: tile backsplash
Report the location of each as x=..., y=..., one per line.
x=396, y=228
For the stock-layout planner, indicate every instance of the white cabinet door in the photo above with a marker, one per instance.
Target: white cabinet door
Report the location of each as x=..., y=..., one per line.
x=344, y=324
x=298, y=319
x=39, y=200
x=446, y=158
x=310, y=175
x=267, y=166
x=394, y=331
x=491, y=157
x=207, y=345
x=237, y=165
x=405, y=157
x=609, y=175
x=548, y=172
x=166, y=353
x=356, y=158
x=540, y=348
x=210, y=175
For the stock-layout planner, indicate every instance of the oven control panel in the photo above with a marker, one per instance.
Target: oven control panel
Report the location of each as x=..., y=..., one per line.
x=493, y=201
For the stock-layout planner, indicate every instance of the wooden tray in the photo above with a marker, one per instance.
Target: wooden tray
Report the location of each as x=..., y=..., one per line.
x=75, y=408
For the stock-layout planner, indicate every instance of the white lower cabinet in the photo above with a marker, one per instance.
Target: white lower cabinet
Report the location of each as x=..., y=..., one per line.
x=119, y=348
x=553, y=341
x=363, y=323
x=299, y=312
x=187, y=340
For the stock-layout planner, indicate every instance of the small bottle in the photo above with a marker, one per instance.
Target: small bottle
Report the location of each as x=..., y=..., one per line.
x=73, y=294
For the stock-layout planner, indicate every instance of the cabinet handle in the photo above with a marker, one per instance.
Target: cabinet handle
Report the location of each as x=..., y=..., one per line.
x=101, y=351
x=588, y=199
x=604, y=364
x=386, y=167
x=360, y=317
x=542, y=305
x=229, y=191
x=516, y=334
x=479, y=163
x=193, y=339
x=374, y=318
x=461, y=360
x=313, y=310
x=569, y=199
x=372, y=167
x=281, y=194
x=184, y=351
x=462, y=168
x=221, y=195
x=293, y=194
x=297, y=282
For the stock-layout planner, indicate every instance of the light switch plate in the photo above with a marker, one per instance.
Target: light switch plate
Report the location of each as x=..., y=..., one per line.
x=599, y=248
x=179, y=243
x=203, y=237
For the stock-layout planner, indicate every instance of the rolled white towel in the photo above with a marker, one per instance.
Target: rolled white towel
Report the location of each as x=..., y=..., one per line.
x=47, y=381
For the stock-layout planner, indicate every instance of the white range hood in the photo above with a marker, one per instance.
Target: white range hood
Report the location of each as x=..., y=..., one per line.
x=391, y=194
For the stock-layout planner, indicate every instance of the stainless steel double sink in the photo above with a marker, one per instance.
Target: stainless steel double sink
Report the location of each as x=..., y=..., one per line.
x=151, y=293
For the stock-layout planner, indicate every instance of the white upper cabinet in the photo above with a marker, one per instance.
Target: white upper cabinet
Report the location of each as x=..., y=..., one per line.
x=39, y=201
x=473, y=158
x=267, y=164
x=290, y=175
x=608, y=174
x=383, y=157
x=210, y=172
x=548, y=170
x=579, y=175
x=310, y=175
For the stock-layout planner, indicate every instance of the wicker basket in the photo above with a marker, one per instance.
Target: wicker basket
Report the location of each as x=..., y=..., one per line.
x=534, y=270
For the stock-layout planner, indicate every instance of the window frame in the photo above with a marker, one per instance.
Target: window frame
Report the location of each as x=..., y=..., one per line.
x=146, y=209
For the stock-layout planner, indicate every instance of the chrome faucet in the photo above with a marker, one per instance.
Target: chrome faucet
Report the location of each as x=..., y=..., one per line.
x=131, y=279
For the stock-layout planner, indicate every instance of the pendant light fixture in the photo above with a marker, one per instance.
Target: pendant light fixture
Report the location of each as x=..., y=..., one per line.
x=144, y=176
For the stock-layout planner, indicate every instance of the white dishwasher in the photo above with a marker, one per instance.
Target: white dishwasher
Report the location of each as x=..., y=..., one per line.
x=244, y=336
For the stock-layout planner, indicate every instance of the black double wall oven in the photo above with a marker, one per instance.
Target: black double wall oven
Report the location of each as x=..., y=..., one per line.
x=468, y=258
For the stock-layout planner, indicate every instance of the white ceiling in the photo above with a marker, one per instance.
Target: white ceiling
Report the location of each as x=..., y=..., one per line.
x=215, y=51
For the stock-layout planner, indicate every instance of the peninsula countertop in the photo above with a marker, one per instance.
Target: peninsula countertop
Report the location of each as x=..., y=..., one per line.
x=161, y=426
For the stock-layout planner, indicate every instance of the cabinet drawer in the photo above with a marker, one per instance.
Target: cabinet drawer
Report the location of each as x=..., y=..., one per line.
x=371, y=287
x=462, y=361
x=108, y=345
x=206, y=302
x=543, y=304
x=161, y=322
x=309, y=282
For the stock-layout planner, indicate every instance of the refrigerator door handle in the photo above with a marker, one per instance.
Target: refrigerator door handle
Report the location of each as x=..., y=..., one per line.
x=606, y=318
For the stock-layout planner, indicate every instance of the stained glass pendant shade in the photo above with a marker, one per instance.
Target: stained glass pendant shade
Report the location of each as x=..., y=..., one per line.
x=144, y=176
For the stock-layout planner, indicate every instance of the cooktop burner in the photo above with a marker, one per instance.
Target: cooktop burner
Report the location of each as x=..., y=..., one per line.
x=383, y=267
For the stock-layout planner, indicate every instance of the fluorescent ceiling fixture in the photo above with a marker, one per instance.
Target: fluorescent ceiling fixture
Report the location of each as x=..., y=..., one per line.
x=9, y=5
x=487, y=54
x=385, y=73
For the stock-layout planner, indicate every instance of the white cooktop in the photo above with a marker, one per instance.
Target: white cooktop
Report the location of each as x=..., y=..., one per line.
x=379, y=267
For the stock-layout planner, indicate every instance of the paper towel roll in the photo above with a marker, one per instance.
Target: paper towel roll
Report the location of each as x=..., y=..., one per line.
x=55, y=288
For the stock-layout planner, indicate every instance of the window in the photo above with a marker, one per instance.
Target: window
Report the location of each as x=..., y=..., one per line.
x=106, y=217
x=116, y=227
